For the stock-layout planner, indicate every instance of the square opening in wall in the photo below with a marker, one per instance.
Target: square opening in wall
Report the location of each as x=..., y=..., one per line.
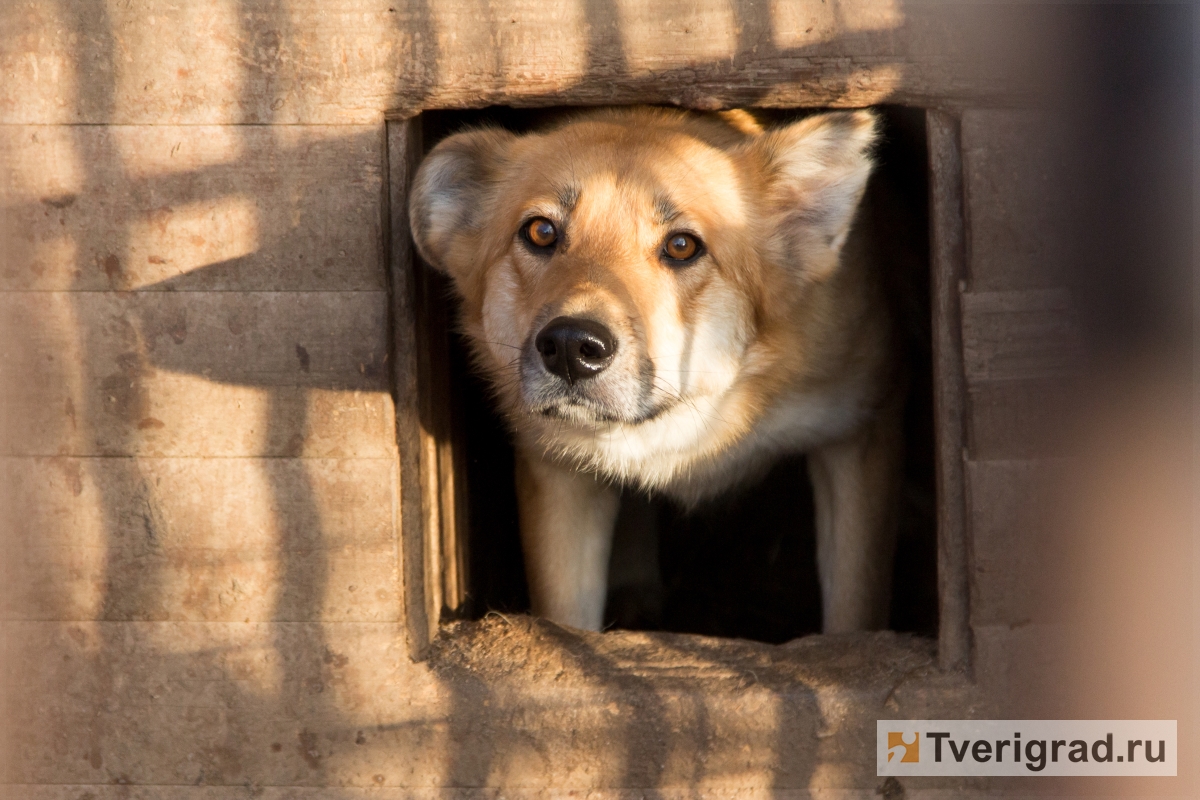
x=739, y=564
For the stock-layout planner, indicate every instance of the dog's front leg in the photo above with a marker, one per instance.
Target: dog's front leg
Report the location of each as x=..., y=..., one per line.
x=856, y=486
x=567, y=520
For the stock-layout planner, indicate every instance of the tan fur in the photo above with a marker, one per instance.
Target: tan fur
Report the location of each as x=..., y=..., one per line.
x=777, y=340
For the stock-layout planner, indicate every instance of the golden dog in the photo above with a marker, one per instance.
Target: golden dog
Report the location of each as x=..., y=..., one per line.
x=673, y=300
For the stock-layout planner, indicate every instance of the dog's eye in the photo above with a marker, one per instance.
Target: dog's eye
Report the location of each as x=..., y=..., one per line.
x=540, y=232
x=681, y=247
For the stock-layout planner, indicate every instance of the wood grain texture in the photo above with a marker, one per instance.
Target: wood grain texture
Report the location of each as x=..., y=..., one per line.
x=947, y=274
x=254, y=179
x=191, y=208
x=195, y=374
x=1013, y=196
x=201, y=539
x=1019, y=335
x=276, y=703
x=418, y=466
x=1018, y=419
x=351, y=61
x=1013, y=546
x=948, y=269
x=534, y=706
x=1021, y=666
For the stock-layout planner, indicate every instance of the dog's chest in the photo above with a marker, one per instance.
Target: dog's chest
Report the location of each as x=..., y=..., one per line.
x=797, y=423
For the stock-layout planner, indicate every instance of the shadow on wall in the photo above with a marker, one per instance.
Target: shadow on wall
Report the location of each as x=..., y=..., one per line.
x=171, y=683
x=710, y=55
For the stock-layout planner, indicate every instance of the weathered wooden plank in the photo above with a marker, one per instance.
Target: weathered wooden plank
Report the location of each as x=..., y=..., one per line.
x=1012, y=195
x=195, y=374
x=348, y=61
x=1018, y=419
x=218, y=704
x=125, y=792
x=194, y=539
x=314, y=705
x=284, y=208
x=434, y=519
x=1019, y=335
x=419, y=505
x=947, y=268
x=1014, y=550
x=450, y=537
x=430, y=444
x=1023, y=668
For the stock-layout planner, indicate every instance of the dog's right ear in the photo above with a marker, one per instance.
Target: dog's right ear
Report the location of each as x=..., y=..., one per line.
x=448, y=200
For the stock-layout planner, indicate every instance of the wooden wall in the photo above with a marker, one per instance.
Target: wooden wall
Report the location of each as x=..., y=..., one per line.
x=200, y=480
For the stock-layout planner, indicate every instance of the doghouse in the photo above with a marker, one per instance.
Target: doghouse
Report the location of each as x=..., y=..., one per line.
x=254, y=546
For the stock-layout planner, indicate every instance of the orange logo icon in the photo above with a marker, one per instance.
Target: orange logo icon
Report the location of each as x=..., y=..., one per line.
x=909, y=751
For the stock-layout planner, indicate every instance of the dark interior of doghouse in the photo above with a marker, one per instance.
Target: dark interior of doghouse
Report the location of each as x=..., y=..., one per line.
x=741, y=566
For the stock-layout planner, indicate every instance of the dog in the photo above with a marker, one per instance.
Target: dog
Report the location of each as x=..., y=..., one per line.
x=673, y=300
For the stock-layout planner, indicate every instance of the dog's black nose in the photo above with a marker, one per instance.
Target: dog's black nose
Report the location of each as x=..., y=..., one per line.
x=575, y=349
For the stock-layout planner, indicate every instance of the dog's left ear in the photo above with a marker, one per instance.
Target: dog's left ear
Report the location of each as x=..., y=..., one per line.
x=817, y=171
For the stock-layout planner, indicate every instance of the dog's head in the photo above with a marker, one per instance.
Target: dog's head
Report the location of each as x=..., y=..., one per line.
x=621, y=267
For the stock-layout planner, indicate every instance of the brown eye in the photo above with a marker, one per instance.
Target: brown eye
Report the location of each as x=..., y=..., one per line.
x=541, y=232
x=681, y=246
